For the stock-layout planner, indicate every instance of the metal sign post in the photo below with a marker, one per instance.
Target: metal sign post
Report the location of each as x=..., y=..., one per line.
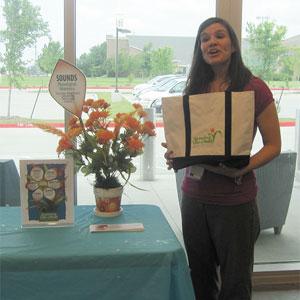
x=147, y=159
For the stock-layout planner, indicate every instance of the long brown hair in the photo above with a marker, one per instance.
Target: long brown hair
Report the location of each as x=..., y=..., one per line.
x=201, y=73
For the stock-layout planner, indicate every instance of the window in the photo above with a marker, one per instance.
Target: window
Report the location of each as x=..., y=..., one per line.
x=282, y=75
x=178, y=88
x=31, y=102
x=174, y=26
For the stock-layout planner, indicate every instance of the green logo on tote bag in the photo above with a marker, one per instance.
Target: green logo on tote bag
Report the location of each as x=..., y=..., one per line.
x=208, y=138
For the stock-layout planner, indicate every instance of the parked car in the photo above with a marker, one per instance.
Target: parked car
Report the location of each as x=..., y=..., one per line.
x=159, y=85
x=151, y=83
x=174, y=87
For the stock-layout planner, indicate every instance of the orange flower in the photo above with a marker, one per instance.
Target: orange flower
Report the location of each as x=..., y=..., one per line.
x=74, y=126
x=137, y=106
x=50, y=129
x=105, y=105
x=117, y=129
x=103, y=114
x=64, y=144
x=100, y=103
x=139, y=110
x=142, y=113
x=73, y=132
x=148, y=128
x=94, y=115
x=121, y=115
x=134, y=144
x=89, y=123
x=73, y=120
x=104, y=136
x=120, y=118
x=89, y=102
x=132, y=123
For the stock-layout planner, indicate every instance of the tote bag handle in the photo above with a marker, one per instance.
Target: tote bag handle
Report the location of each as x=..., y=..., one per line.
x=187, y=122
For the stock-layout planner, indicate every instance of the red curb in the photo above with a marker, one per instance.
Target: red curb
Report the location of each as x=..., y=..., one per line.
x=89, y=87
x=287, y=123
x=131, y=87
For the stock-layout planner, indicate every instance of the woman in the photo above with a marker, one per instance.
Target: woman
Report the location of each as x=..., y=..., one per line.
x=219, y=213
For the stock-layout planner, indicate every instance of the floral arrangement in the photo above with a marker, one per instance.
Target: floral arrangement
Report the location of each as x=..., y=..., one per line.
x=104, y=146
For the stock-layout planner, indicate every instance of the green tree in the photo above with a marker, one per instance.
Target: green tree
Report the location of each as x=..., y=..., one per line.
x=123, y=63
x=296, y=64
x=51, y=53
x=136, y=66
x=146, y=57
x=265, y=48
x=24, y=25
x=285, y=68
x=94, y=62
x=162, y=61
x=129, y=64
x=110, y=67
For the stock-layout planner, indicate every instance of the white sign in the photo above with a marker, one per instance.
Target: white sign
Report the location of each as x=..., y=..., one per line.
x=68, y=86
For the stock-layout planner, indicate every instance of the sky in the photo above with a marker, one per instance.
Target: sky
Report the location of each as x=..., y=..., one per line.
x=97, y=18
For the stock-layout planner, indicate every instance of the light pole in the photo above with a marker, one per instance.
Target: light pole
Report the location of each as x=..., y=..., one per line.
x=122, y=30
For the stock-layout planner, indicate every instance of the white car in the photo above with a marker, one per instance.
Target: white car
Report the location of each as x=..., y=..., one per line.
x=174, y=87
x=158, y=86
x=151, y=83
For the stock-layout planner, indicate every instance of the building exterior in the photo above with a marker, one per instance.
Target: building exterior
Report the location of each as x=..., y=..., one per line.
x=182, y=46
x=123, y=44
x=134, y=44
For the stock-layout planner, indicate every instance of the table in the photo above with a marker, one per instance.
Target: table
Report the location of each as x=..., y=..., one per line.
x=72, y=263
x=9, y=183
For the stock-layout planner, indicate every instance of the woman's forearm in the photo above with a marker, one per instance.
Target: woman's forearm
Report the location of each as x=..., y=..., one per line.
x=268, y=125
x=262, y=157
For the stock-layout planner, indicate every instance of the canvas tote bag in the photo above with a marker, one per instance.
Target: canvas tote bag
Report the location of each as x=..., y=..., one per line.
x=210, y=128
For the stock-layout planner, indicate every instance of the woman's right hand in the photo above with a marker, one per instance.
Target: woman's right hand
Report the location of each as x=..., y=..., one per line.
x=168, y=156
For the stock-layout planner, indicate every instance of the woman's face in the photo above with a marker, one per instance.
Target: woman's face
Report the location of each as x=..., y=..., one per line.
x=216, y=45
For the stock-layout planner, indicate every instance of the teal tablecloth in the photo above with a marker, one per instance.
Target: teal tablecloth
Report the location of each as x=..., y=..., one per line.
x=72, y=263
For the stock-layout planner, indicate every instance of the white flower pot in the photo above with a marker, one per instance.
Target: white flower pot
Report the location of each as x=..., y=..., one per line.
x=108, y=201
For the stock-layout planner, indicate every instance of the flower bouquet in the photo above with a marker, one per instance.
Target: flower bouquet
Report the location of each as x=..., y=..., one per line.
x=104, y=146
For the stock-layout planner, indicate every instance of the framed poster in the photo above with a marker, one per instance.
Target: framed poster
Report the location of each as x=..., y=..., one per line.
x=47, y=192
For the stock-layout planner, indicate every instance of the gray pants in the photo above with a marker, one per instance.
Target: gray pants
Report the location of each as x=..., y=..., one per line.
x=220, y=246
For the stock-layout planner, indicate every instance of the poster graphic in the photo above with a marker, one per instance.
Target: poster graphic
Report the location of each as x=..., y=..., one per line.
x=67, y=86
x=47, y=192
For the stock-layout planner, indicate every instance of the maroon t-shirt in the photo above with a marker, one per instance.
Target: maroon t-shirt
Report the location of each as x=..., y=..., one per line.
x=218, y=189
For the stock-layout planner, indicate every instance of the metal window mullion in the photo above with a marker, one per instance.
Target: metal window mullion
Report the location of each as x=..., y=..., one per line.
x=70, y=53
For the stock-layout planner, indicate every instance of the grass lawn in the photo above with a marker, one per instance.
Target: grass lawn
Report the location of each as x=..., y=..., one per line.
x=116, y=107
x=37, y=81
x=283, y=84
x=43, y=81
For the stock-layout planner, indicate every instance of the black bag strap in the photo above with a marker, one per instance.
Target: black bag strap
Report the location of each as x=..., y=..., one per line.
x=187, y=122
x=228, y=121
